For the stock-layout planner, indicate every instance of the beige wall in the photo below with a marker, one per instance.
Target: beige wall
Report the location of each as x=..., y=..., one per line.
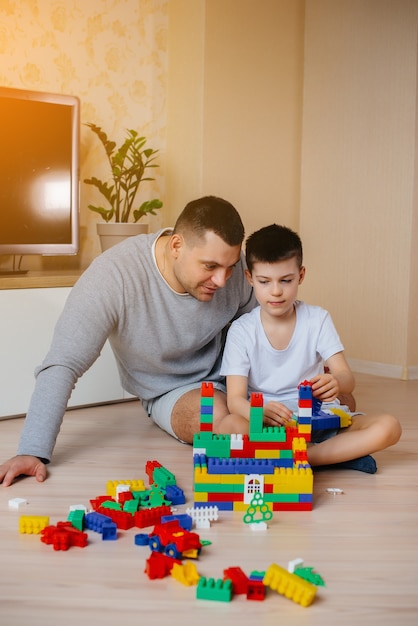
x=358, y=210
x=301, y=112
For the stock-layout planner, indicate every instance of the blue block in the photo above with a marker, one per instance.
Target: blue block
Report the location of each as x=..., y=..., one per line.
x=175, y=494
x=185, y=521
x=305, y=497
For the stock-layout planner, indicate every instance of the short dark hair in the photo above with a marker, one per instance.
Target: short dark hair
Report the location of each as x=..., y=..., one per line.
x=214, y=214
x=271, y=244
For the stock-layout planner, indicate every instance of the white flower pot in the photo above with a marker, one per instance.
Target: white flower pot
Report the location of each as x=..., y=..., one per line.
x=111, y=233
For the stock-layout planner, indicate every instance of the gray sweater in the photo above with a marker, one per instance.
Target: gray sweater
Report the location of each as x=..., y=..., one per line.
x=161, y=339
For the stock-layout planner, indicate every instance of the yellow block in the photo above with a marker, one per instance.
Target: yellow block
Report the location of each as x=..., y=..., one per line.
x=345, y=418
x=267, y=454
x=299, y=443
x=200, y=496
x=201, y=476
x=289, y=585
x=135, y=485
x=287, y=480
x=32, y=524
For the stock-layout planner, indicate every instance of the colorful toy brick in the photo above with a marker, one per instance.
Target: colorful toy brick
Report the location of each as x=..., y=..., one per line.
x=185, y=573
x=63, y=536
x=159, y=565
x=150, y=517
x=238, y=579
x=32, y=524
x=289, y=585
x=211, y=589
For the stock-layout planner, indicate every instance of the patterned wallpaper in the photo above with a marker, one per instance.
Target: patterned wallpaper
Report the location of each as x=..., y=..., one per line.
x=112, y=54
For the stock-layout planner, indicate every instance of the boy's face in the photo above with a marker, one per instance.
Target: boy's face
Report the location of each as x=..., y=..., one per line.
x=276, y=285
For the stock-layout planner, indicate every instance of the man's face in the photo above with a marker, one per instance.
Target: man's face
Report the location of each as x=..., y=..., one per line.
x=202, y=266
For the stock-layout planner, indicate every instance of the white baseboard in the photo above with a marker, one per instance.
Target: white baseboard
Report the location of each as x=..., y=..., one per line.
x=384, y=369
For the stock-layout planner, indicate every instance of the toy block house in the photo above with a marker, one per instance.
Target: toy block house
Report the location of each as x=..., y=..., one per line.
x=230, y=469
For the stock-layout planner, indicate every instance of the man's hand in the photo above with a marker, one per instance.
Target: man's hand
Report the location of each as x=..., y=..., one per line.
x=276, y=413
x=325, y=387
x=22, y=464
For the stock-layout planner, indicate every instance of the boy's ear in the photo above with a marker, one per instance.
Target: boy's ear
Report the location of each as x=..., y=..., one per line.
x=248, y=275
x=302, y=272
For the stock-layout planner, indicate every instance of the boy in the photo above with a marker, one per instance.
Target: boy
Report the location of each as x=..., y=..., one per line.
x=285, y=341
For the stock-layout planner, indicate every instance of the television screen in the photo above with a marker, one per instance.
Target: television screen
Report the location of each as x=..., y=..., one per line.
x=39, y=173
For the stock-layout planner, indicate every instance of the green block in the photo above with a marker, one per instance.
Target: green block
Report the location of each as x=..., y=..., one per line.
x=213, y=488
x=76, y=518
x=281, y=497
x=131, y=506
x=206, y=419
x=215, y=445
x=163, y=477
x=211, y=589
x=269, y=434
x=206, y=401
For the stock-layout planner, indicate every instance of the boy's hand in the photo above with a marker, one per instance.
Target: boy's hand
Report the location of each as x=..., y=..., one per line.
x=325, y=387
x=22, y=464
x=277, y=413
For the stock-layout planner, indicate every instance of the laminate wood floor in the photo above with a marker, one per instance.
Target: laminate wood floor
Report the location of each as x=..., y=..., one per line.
x=363, y=542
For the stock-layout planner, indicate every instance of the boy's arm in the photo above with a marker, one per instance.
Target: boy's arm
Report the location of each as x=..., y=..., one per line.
x=237, y=396
x=339, y=379
x=275, y=413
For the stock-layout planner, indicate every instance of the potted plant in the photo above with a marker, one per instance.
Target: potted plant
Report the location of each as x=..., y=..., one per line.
x=128, y=164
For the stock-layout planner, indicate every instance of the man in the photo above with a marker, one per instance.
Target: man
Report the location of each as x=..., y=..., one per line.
x=164, y=302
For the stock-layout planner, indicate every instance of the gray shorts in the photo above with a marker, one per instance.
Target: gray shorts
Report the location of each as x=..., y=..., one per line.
x=160, y=409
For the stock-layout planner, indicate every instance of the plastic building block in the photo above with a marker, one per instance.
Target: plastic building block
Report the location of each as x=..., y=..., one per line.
x=63, y=536
x=211, y=589
x=256, y=590
x=308, y=573
x=150, y=517
x=238, y=579
x=32, y=524
x=292, y=565
x=175, y=495
x=185, y=573
x=16, y=503
x=76, y=517
x=141, y=539
x=158, y=565
x=122, y=519
x=102, y=524
x=289, y=585
x=184, y=519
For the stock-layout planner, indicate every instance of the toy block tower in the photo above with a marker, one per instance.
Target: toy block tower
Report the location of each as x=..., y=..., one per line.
x=206, y=408
x=305, y=409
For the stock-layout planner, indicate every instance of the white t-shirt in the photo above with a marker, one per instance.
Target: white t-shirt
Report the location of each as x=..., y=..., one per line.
x=277, y=373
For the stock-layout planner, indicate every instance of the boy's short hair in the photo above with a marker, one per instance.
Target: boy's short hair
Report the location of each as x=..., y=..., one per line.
x=211, y=214
x=271, y=244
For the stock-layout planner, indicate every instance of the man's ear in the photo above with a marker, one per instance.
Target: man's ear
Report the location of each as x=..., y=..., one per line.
x=249, y=278
x=302, y=272
x=175, y=244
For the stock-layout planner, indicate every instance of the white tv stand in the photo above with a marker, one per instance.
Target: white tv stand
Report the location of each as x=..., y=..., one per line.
x=29, y=308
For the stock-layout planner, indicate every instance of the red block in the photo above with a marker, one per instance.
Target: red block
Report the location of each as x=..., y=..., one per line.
x=257, y=399
x=207, y=390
